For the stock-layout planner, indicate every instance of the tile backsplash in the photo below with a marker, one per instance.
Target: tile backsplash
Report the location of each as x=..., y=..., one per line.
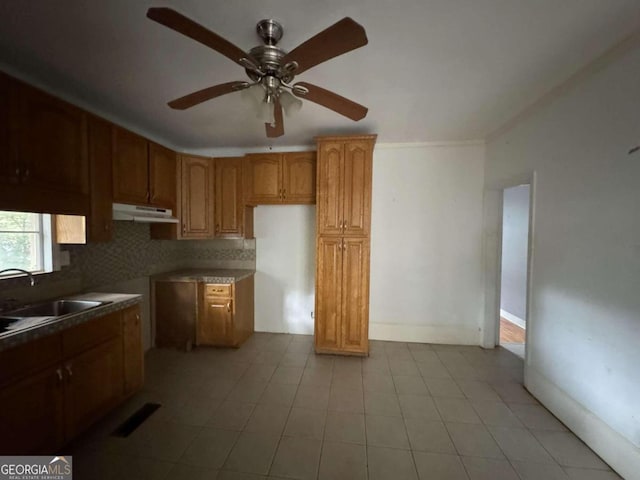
x=133, y=254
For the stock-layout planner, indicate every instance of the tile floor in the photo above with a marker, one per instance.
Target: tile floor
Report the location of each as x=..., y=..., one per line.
x=273, y=409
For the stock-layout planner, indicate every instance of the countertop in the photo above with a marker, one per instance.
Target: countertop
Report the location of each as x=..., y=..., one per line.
x=211, y=275
x=118, y=301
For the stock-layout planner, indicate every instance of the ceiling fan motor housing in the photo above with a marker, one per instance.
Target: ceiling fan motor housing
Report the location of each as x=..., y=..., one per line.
x=269, y=31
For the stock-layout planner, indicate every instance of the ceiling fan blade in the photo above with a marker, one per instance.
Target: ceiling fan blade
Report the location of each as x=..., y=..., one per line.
x=278, y=129
x=341, y=37
x=330, y=100
x=205, y=94
x=181, y=24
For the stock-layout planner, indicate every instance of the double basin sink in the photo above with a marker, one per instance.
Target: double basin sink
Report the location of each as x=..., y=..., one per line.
x=33, y=315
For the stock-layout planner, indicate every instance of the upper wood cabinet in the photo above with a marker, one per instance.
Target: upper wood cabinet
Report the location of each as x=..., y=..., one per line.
x=162, y=176
x=130, y=167
x=8, y=173
x=344, y=186
x=144, y=173
x=43, y=148
x=228, y=205
x=280, y=178
x=99, y=224
x=196, y=205
x=52, y=143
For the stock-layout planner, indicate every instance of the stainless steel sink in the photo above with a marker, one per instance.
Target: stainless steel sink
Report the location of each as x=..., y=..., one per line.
x=32, y=315
x=55, y=308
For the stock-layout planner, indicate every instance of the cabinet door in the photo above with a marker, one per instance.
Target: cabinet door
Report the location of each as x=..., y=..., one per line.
x=215, y=327
x=8, y=166
x=355, y=295
x=31, y=414
x=162, y=176
x=133, y=351
x=299, y=178
x=93, y=385
x=330, y=186
x=52, y=146
x=229, y=207
x=197, y=197
x=328, y=294
x=101, y=180
x=263, y=178
x=174, y=306
x=357, y=188
x=130, y=168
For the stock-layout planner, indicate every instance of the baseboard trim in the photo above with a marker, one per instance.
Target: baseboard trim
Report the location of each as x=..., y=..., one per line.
x=450, y=334
x=513, y=319
x=613, y=448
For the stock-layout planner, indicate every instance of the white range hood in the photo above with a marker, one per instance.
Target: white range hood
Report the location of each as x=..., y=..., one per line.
x=144, y=214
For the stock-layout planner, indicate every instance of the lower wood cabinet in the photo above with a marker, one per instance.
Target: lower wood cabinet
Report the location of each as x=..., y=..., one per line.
x=342, y=295
x=226, y=314
x=133, y=350
x=32, y=414
x=59, y=385
x=93, y=385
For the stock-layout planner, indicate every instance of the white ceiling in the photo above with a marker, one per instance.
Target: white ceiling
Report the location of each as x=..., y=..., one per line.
x=434, y=70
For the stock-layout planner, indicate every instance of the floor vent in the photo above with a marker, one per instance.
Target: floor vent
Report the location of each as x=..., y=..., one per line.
x=135, y=420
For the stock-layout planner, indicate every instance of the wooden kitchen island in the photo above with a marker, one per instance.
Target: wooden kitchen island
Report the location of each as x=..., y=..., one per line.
x=203, y=307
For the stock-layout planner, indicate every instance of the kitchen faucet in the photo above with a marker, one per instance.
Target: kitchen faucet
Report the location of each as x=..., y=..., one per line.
x=32, y=280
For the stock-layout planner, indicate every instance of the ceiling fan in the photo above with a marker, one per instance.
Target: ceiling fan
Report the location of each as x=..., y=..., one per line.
x=271, y=69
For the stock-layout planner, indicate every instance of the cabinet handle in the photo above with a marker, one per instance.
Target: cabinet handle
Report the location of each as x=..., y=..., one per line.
x=284, y=193
x=217, y=227
x=229, y=307
x=59, y=376
x=17, y=171
x=215, y=305
x=67, y=367
x=26, y=174
x=137, y=316
x=184, y=229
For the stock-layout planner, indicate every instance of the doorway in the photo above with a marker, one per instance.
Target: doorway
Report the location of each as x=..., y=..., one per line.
x=512, y=324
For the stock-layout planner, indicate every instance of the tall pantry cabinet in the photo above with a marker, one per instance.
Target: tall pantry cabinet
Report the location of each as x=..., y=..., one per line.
x=343, y=215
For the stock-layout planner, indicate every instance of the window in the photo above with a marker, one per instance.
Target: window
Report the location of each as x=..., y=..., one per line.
x=25, y=241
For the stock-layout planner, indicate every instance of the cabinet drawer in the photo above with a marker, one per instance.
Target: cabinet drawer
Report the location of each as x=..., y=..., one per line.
x=218, y=290
x=89, y=334
x=30, y=357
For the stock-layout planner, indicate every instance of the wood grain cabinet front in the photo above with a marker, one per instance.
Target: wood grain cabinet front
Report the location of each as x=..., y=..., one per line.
x=226, y=314
x=344, y=187
x=343, y=222
x=132, y=350
x=196, y=206
x=280, y=178
x=130, y=167
x=57, y=386
x=144, y=173
x=43, y=144
x=228, y=205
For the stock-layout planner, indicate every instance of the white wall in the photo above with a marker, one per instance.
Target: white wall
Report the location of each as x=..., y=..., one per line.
x=285, y=268
x=426, y=243
x=515, y=244
x=584, y=318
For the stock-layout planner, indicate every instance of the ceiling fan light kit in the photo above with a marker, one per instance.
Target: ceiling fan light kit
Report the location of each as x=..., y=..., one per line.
x=271, y=69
